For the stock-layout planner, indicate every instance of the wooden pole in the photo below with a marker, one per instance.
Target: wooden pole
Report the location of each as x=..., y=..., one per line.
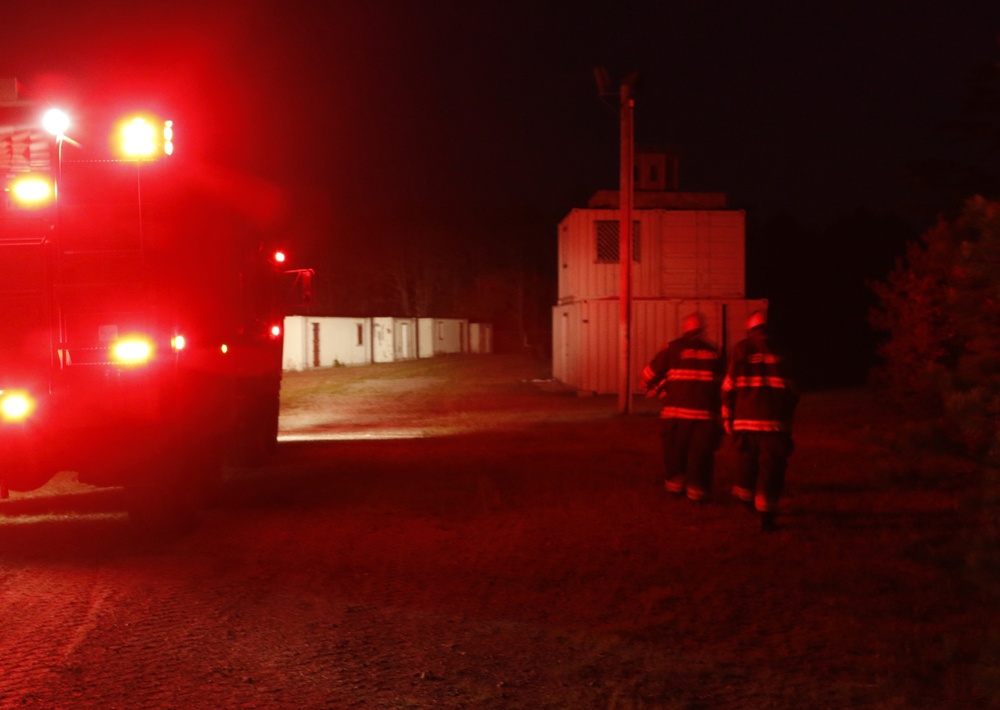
x=625, y=248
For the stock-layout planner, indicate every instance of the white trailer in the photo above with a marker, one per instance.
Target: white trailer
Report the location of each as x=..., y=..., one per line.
x=312, y=342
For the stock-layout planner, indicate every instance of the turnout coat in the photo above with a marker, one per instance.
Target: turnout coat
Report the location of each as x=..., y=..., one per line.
x=687, y=373
x=757, y=393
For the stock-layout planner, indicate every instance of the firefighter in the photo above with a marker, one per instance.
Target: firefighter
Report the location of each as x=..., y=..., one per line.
x=687, y=375
x=758, y=401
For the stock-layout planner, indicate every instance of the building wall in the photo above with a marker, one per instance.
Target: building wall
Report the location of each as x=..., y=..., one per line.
x=425, y=337
x=691, y=254
x=405, y=341
x=700, y=255
x=325, y=342
x=383, y=344
x=450, y=335
x=586, y=335
x=294, y=343
x=311, y=342
x=481, y=338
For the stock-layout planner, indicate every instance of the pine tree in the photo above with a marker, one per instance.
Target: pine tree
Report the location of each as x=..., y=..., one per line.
x=940, y=308
x=972, y=391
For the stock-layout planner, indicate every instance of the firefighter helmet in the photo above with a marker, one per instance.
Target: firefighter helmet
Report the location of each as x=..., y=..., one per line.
x=692, y=322
x=756, y=319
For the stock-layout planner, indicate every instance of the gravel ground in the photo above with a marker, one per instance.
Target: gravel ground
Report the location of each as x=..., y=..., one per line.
x=463, y=533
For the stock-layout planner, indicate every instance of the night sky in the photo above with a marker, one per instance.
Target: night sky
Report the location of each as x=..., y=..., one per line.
x=369, y=113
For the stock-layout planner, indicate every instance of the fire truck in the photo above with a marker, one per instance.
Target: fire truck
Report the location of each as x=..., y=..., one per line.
x=141, y=307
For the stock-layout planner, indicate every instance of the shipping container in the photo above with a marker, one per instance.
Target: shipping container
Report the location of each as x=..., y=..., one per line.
x=689, y=254
x=586, y=335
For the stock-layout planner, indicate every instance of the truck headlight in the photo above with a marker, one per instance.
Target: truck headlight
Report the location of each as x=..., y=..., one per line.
x=31, y=191
x=15, y=406
x=132, y=351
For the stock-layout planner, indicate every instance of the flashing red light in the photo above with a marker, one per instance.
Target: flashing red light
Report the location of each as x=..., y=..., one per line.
x=178, y=342
x=279, y=257
x=275, y=331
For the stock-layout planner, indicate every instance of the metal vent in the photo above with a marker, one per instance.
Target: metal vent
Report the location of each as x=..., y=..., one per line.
x=608, y=242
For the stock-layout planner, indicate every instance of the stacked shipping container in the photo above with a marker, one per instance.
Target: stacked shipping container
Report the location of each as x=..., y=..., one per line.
x=684, y=260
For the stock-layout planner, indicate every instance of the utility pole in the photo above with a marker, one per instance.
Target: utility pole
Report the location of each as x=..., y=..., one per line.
x=625, y=244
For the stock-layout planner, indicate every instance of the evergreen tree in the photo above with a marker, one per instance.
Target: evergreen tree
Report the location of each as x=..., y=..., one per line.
x=940, y=308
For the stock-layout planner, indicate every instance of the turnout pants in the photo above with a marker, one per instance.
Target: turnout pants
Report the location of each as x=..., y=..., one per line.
x=762, y=458
x=688, y=455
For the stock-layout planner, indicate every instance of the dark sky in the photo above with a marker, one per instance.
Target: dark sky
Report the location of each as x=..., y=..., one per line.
x=369, y=111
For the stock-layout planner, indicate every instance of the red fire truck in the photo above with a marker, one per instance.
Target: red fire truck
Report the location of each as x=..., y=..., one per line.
x=141, y=307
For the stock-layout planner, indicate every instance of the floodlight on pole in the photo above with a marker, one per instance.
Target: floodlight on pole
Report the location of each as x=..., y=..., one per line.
x=145, y=138
x=137, y=138
x=55, y=121
x=625, y=235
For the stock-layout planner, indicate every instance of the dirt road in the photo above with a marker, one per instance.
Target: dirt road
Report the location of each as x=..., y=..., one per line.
x=453, y=534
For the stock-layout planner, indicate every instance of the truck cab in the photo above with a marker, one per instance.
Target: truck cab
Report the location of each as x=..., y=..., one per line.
x=140, y=310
